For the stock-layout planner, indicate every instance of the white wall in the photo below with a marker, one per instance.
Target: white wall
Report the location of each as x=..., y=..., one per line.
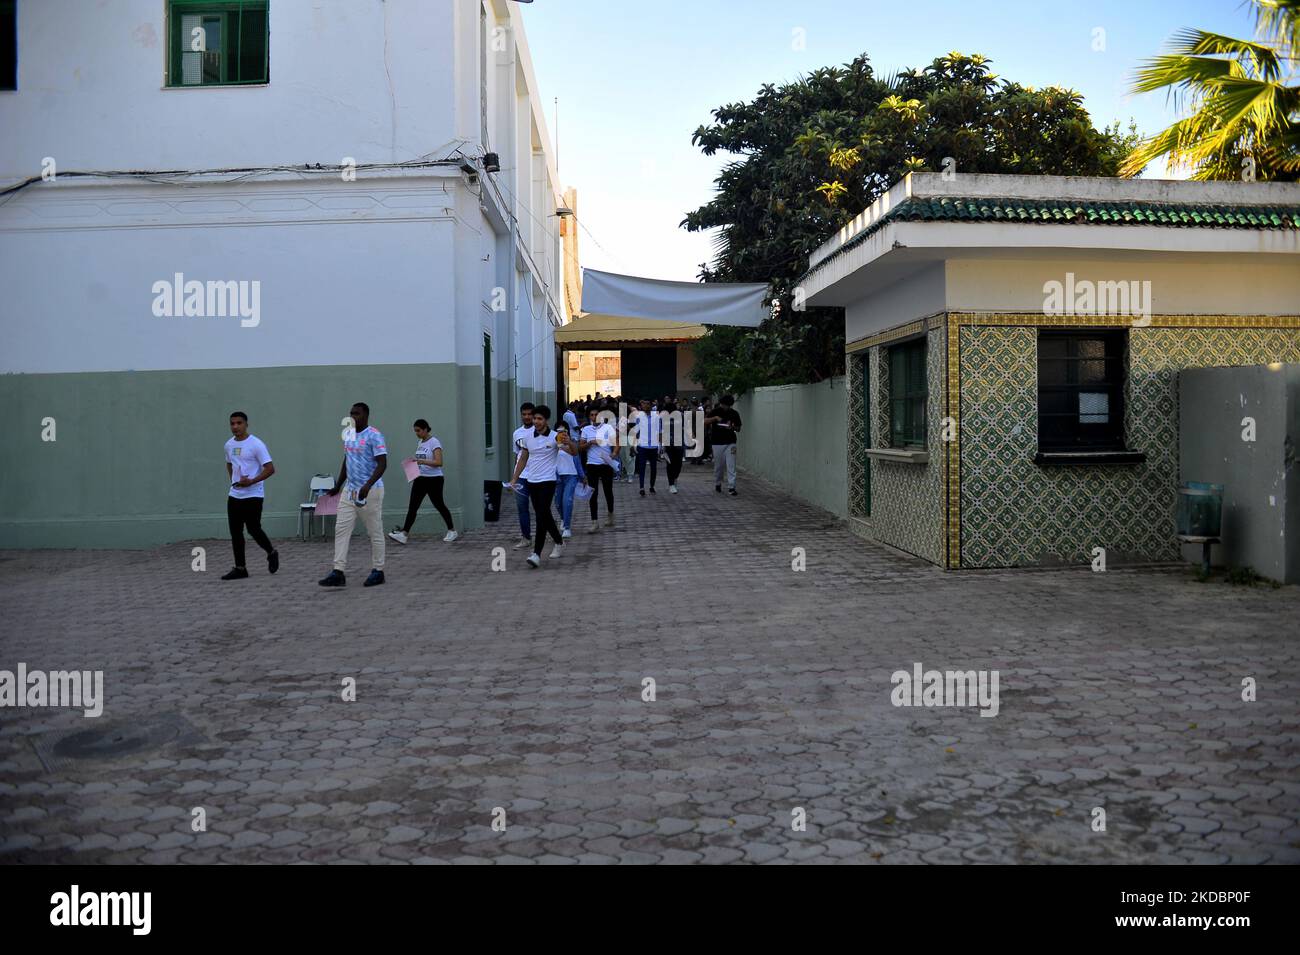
x=1185, y=284
x=918, y=295
x=398, y=252
x=364, y=78
x=348, y=275
x=1181, y=284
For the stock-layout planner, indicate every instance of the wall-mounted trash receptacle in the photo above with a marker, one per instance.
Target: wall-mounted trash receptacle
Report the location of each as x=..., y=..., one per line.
x=1200, y=509
x=491, y=501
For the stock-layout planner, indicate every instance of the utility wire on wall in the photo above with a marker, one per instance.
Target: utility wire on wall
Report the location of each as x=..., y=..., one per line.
x=237, y=174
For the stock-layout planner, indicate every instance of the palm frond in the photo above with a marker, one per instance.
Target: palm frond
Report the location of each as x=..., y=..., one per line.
x=1178, y=70
x=1262, y=56
x=1279, y=22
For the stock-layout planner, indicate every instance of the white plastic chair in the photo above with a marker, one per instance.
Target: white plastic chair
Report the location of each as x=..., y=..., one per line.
x=321, y=484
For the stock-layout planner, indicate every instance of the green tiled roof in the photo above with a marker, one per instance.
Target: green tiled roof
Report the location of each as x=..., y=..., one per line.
x=1098, y=213
x=1069, y=211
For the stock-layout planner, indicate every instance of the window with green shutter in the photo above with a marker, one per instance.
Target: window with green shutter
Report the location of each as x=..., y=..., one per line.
x=217, y=42
x=907, y=393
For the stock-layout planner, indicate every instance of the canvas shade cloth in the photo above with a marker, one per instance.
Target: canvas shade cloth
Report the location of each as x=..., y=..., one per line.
x=596, y=330
x=696, y=303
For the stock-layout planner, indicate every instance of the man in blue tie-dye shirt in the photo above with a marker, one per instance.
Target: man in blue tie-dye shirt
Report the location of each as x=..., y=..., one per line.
x=365, y=458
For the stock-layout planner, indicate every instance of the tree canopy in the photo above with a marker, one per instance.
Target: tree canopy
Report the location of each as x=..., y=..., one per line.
x=815, y=152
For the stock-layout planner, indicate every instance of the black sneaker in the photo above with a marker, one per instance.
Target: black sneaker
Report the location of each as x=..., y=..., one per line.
x=236, y=573
x=375, y=579
x=643, y=492
x=273, y=561
x=335, y=579
x=733, y=493
x=718, y=488
x=652, y=490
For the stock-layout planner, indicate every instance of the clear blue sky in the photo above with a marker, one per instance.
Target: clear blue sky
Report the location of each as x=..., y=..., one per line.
x=635, y=78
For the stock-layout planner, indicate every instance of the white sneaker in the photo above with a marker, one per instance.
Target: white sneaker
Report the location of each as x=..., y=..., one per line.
x=398, y=536
x=523, y=542
x=594, y=528
x=567, y=534
x=451, y=536
x=672, y=488
x=534, y=560
x=557, y=551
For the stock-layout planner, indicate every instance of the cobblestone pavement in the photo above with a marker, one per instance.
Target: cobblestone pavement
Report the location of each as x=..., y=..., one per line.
x=523, y=690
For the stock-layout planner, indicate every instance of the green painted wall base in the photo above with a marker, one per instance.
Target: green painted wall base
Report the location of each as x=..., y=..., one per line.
x=137, y=459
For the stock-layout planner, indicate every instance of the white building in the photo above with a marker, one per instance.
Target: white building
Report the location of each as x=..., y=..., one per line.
x=327, y=157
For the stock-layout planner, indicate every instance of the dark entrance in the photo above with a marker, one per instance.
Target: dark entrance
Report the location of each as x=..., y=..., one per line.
x=649, y=372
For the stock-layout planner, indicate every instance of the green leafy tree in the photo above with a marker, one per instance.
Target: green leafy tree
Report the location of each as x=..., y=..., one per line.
x=816, y=151
x=1243, y=97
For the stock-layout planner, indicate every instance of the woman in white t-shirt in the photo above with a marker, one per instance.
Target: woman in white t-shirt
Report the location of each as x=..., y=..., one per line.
x=599, y=441
x=428, y=456
x=538, y=465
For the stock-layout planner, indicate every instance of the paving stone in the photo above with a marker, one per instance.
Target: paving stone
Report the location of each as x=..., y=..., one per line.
x=769, y=697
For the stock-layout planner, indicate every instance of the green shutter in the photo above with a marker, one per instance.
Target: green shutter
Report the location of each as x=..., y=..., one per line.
x=487, y=391
x=907, y=394
x=242, y=51
x=866, y=432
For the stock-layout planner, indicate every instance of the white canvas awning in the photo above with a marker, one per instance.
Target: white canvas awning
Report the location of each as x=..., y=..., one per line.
x=596, y=331
x=700, y=303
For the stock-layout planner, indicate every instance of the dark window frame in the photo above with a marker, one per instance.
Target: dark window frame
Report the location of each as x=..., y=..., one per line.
x=1064, y=375
x=9, y=37
x=488, y=442
x=907, y=363
x=230, y=57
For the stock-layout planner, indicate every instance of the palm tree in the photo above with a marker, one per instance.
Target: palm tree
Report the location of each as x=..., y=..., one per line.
x=1244, y=98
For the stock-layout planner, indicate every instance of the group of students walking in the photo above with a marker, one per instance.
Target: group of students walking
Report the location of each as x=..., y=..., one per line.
x=555, y=467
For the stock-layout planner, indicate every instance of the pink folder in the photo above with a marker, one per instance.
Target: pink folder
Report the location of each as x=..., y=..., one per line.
x=411, y=468
x=327, y=505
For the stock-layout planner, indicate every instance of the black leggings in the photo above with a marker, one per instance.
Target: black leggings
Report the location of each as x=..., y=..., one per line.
x=675, y=455
x=244, y=512
x=431, y=486
x=542, y=493
x=601, y=475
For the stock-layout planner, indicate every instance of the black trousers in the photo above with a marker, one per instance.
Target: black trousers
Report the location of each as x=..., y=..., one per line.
x=646, y=456
x=244, y=512
x=675, y=456
x=542, y=493
x=601, y=476
x=431, y=486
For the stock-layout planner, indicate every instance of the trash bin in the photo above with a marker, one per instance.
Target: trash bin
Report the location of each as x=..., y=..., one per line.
x=491, y=501
x=1200, y=509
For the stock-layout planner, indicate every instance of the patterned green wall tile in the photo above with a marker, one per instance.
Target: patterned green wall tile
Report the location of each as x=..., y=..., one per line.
x=907, y=509
x=1015, y=513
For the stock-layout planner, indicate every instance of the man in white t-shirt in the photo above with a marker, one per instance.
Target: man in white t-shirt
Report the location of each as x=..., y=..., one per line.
x=570, y=418
x=599, y=442
x=537, y=466
x=248, y=464
x=521, y=487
